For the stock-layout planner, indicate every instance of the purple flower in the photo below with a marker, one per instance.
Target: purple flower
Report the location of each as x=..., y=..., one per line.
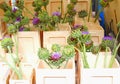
x=21, y=28
x=107, y=38
x=55, y=56
x=85, y=32
x=76, y=26
x=56, y=14
x=14, y=9
x=35, y=21
x=18, y=19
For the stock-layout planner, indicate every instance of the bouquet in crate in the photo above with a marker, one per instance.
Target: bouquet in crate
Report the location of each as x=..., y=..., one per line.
x=57, y=56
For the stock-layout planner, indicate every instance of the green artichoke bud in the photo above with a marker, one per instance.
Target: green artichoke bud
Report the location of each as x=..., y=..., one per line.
x=7, y=42
x=12, y=29
x=6, y=19
x=43, y=53
x=68, y=51
x=56, y=47
x=25, y=21
x=76, y=33
x=73, y=1
x=82, y=14
x=70, y=6
x=95, y=49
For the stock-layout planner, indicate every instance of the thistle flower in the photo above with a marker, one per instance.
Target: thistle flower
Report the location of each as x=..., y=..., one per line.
x=85, y=32
x=21, y=28
x=107, y=42
x=36, y=21
x=56, y=14
x=55, y=56
x=14, y=9
x=77, y=26
x=18, y=19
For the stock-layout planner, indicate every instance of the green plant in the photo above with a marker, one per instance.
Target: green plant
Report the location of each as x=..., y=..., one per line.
x=7, y=43
x=13, y=16
x=57, y=56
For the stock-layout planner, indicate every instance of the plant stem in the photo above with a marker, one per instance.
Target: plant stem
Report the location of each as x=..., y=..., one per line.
x=96, y=61
x=28, y=11
x=16, y=43
x=105, y=58
x=97, y=16
x=113, y=56
x=66, y=63
x=90, y=10
x=86, y=65
x=64, y=18
x=48, y=64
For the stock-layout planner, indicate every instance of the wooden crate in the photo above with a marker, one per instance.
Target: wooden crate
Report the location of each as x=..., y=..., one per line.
x=28, y=43
x=52, y=37
x=45, y=75
x=96, y=31
x=55, y=4
x=27, y=77
x=28, y=8
x=82, y=5
x=5, y=73
x=100, y=74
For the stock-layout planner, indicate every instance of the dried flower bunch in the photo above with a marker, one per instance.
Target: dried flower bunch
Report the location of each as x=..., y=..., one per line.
x=57, y=56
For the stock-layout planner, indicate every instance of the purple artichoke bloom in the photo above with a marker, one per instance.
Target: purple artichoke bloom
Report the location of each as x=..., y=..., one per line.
x=21, y=28
x=107, y=38
x=35, y=21
x=76, y=26
x=55, y=56
x=14, y=9
x=18, y=19
x=85, y=32
x=56, y=14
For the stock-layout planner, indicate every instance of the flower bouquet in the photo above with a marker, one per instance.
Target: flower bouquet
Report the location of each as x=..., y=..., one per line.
x=55, y=63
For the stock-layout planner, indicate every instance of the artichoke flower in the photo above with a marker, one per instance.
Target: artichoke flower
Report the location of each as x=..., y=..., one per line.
x=68, y=51
x=43, y=53
x=7, y=42
x=12, y=29
x=56, y=47
x=82, y=14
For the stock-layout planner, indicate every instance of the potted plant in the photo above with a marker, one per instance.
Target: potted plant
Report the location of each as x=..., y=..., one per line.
x=56, y=63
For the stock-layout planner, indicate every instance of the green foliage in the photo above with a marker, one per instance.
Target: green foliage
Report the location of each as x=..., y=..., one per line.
x=57, y=56
x=82, y=14
x=56, y=48
x=43, y=53
x=68, y=52
x=7, y=42
x=12, y=29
